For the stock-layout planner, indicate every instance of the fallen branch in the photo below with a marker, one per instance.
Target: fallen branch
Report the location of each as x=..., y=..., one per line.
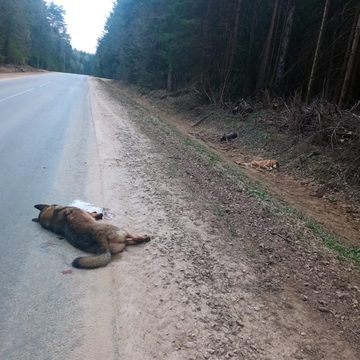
x=201, y=120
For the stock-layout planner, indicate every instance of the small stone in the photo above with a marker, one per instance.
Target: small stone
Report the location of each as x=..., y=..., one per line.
x=341, y=294
x=323, y=309
x=239, y=323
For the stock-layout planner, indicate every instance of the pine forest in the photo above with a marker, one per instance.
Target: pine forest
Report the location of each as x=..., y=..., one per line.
x=236, y=48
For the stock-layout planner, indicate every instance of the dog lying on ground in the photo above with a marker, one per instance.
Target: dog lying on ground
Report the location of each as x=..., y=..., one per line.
x=261, y=164
x=81, y=230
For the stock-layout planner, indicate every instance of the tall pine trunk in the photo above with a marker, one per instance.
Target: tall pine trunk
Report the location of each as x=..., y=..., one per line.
x=231, y=53
x=351, y=63
x=205, y=56
x=169, y=82
x=317, y=50
x=330, y=70
x=248, y=71
x=346, y=59
x=265, y=60
x=284, y=45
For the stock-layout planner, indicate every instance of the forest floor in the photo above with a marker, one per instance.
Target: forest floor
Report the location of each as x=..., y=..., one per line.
x=310, y=179
x=234, y=269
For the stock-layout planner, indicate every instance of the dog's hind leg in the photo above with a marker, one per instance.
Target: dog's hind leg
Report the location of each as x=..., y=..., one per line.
x=136, y=239
x=116, y=248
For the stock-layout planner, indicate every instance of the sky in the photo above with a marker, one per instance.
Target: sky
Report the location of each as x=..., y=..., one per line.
x=85, y=21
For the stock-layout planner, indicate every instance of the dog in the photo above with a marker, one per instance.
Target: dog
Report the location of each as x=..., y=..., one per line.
x=261, y=164
x=81, y=229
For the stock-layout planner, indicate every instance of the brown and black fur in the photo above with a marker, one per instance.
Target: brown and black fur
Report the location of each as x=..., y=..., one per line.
x=81, y=230
x=261, y=164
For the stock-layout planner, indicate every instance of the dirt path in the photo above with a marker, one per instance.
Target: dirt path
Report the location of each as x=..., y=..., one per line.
x=226, y=275
x=13, y=75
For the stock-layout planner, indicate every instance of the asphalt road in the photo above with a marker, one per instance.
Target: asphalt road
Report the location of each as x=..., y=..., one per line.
x=47, y=155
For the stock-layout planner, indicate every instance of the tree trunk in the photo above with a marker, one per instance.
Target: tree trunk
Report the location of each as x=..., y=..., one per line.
x=275, y=49
x=204, y=76
x=265, y=59
x=205, y=39
x=351, y=62
x=285, y=42
x=346, y=59
x=248, y=72
x=232, y=51
x=330, y=67
x=317, y=51
x=169, y=85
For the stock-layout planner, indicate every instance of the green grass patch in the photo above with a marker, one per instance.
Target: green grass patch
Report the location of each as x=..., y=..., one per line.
x=258, y=193
x=333, y=243
x=200, y=149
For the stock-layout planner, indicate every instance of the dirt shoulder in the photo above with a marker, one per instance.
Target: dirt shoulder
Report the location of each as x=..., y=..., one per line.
x=12, y=71
x=228, y=274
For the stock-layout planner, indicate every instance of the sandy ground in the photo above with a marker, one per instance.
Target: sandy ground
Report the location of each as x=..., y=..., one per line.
x=226, y=275
x=14, y=75
x=6, y=74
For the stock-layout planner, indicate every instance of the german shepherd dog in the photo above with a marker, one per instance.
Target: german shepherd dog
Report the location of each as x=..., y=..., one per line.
x=81, y=230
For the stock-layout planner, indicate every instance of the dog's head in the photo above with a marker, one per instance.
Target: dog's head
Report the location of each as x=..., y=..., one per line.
x=275, y=164
x=54, y=217
x=51, y=217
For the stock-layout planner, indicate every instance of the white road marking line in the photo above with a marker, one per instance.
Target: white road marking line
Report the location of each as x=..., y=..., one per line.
x=18, y=94
x=47, y=83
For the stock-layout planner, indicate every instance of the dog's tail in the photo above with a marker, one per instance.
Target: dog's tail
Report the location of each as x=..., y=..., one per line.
x=241, y=163
x=92, y=262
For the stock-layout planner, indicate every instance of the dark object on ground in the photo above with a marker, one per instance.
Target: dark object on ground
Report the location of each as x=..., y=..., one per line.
x=242, y=107
x=229, y=136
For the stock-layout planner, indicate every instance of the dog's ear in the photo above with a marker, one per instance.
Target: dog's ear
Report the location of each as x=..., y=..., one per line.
x=40, y=206
x=96, y=215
